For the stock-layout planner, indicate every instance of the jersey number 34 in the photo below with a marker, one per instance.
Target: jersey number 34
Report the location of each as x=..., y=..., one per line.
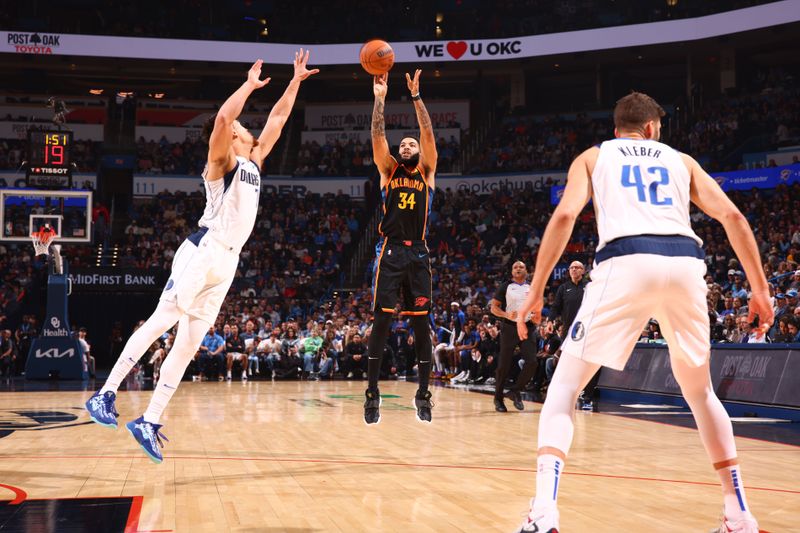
x=407, y=201
x=632, y=177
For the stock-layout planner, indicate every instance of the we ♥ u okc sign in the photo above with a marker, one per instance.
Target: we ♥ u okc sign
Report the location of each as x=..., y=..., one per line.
x=473, y=50
x=670, y=31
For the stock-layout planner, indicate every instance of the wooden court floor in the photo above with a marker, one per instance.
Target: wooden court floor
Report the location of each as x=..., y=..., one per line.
x=297, y=457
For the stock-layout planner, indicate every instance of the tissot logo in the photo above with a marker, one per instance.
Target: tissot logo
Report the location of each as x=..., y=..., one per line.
x=473, y=50
x=33, y=43
x=40, y=170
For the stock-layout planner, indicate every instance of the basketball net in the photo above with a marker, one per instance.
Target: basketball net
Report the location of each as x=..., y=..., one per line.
x=41, y=240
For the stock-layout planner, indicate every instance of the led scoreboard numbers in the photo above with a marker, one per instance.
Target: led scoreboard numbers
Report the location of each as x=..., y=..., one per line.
x=49, y=163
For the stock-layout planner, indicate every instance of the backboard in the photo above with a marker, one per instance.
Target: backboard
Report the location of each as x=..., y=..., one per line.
x=25, y=211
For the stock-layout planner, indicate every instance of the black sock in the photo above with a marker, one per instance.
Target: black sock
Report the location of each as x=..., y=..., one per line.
x=424, y=349
x=377, y=342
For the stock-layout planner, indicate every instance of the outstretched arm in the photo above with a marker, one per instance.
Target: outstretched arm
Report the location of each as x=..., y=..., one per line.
x=282, y=109
x=427, y=140
x=220, y=154
x=380, y=146
x=708, y=196
x=576, y=195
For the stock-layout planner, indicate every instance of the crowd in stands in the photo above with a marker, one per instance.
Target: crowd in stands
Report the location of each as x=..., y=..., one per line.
x=327, y=22
x=164, y=157
x=769, y=110
x=544, y=143
x=763, y=112
x=299, y=329
x=473, y=240
x=300, y=245
x=292, y=257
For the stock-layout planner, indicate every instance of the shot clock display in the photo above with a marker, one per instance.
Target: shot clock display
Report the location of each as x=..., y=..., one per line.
x=49, y=163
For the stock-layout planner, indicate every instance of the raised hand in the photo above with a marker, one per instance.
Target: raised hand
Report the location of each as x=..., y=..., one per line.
x=380, y=85
x=300, y=62
x=254, y=75
x=413, y=84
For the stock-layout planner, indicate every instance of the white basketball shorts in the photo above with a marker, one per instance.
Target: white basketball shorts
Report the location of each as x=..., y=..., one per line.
x=625, y=292
x=201, y=275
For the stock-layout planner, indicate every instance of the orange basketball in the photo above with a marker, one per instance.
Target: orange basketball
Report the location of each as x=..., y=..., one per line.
x=377, y=57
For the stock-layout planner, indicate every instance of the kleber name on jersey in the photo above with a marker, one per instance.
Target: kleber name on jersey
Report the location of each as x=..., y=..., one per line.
x=33, y=43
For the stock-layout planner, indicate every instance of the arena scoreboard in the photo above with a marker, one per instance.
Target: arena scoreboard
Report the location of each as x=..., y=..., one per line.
x=49, y=162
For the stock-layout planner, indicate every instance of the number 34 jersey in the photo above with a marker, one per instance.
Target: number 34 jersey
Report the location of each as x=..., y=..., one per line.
x=407, y=202
x=640, y=187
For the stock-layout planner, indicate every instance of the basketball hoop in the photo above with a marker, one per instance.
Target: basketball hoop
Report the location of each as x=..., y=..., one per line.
x=41, y=240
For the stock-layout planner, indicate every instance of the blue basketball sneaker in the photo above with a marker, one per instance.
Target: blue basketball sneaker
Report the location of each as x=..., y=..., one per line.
x=101, y=409
x=148, y=436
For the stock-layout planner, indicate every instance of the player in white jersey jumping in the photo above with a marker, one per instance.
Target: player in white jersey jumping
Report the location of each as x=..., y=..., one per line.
x=648, y=263
x=205, y=264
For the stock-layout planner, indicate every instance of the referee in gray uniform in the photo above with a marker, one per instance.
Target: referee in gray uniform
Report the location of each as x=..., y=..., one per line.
x=508, y=298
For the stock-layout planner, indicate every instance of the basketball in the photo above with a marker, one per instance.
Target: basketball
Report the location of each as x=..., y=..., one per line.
x=377, y=57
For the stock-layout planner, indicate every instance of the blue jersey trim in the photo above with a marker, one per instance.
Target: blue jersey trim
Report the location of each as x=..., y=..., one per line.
x=666, y=245
x=195, y=237
x=228, y=177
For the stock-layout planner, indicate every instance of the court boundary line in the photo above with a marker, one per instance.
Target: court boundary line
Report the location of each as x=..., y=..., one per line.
x=19, y=494
x=392, y=463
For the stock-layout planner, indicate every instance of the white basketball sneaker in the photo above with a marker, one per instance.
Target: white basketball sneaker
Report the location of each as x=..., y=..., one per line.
x=542, y=522
x=747, y=524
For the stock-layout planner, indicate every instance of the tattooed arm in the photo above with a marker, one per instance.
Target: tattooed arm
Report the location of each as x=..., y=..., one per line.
x=380, y=146
x=427, y=140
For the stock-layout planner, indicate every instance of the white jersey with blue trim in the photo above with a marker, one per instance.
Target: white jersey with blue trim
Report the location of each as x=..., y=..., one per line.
x=232, y=204
x=640, y=187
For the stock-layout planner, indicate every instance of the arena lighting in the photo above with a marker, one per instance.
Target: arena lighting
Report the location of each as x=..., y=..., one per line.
x=436, y=73
x=438, y=31
x=439, y=18
x=123, y=94
x=672, y=3
x=96, y=91
x=264, y=32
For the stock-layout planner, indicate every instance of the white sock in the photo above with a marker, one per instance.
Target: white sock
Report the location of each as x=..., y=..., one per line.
x=549, y=469
x=163, y=318
x=736, y=506
x=190, y=335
